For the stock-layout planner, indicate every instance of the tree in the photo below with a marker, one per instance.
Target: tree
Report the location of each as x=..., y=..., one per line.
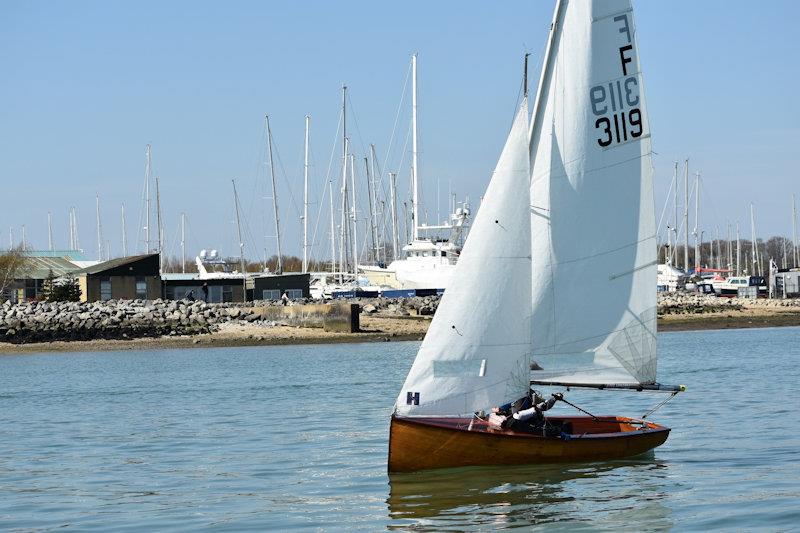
x=65, y=290
x=13, y=266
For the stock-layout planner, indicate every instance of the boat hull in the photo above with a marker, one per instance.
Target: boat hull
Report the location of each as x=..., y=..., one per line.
x=427, y=443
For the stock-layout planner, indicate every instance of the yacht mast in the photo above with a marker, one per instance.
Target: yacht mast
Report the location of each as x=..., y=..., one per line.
x=374, y=181
x=371, y=211
x=50, y=231
x=183, y=243
x=393, y=193
x=686, y=217
x=333, y=228
x=124, y=236
x=147, y=171
x=158, y=227
x=241, y=243
x=97, y=224
x=677, y=220
x=796, y=253
x=754, y=251
x=305, y=196
x=344, y=241
x=696, y=233
x=274, y=197
x=414, y=151
x=738, y=251
x=730, y=250
x=354, y=214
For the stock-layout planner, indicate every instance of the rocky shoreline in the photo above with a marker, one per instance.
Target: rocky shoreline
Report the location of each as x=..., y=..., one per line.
x=40, y=323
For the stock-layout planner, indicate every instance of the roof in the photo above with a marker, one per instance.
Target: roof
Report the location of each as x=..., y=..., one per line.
x=73, y=255
x=116, y=263
x=40, y=267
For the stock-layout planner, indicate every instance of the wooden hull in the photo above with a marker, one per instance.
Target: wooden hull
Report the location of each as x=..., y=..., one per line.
x=424, y=443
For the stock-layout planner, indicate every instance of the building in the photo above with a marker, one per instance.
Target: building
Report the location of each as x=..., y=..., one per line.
x=272, y=287
x=178, y=286
x=40, y=265
x=125, y=278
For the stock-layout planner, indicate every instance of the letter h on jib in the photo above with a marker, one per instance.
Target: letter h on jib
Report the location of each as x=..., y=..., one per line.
x=412, y=398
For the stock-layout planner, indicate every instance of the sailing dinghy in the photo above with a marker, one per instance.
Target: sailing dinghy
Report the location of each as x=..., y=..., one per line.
x=558, y=272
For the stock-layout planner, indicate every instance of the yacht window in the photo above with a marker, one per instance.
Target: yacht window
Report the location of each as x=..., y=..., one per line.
x=444, y=254
x=424, y=254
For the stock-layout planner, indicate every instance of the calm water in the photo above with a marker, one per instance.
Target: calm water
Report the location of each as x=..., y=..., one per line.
x=295, y=438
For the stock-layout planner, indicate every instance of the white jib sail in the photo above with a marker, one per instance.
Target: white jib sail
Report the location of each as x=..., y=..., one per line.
x=476, y=352
x=592, y=208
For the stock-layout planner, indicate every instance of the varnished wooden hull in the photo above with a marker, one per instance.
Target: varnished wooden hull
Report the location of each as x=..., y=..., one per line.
x=425, y=443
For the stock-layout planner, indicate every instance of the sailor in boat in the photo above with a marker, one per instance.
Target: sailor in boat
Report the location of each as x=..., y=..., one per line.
x=525, y=414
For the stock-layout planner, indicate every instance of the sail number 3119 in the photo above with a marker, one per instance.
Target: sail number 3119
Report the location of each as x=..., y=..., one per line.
x=616, y=103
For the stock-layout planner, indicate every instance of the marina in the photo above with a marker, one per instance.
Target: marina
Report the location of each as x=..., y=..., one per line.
x=378, y=267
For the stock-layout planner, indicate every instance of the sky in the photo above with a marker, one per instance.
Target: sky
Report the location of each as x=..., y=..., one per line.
x=84, y=86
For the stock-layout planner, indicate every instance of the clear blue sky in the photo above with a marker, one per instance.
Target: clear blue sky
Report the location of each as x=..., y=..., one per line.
x=85, y=85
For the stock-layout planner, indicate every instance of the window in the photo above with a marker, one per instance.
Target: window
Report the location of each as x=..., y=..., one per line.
x=105, y=289
x=271, y=294
x=444, y=254
x=141, y=288
x=294, y=294
x=227, y=293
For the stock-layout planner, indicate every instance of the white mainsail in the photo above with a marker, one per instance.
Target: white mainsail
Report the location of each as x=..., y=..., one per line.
x=476, y=352
x=592, y=208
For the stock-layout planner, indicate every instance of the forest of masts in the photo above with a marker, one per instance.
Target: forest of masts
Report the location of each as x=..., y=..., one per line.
x=360, y=217
x=718, y=248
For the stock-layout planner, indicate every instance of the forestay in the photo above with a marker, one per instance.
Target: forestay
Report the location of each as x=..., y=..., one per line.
x=592, y=212
x=476, y=352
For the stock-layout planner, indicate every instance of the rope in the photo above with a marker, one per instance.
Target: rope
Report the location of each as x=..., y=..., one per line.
x=659, y=406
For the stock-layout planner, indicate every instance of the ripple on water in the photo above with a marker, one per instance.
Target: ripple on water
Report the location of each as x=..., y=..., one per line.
x=295, y=437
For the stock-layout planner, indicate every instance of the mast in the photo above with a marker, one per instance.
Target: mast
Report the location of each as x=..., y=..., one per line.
x=719, y=248
x=305, y=196
x=738, y=251
x=241, y=243
x=697, y=263
x=686, y=217
x=393, y=192
x=24, y=243
x=730, y=251
x=147, y=170
x=50, y=231
x=97, y=222
x=274, y=197
x=754, y=251
x=333, y=228
x=546, y=68
x=345, y=223
x=124, y=236
x=183, y=243
x=158, y=227
x=353, y=214
x=414, y=156
x=372, y=232
x=796, y=252
x=376, y=176
x=677, y=220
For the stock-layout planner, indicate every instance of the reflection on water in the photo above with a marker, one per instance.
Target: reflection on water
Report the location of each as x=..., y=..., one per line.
x=500, y=497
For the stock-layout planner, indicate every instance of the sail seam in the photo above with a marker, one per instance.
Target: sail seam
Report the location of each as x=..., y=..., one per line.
x=584, y=258
x=574, y=341
x=549, y=173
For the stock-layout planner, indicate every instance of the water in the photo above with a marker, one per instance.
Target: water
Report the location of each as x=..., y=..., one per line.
x=295, y=437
